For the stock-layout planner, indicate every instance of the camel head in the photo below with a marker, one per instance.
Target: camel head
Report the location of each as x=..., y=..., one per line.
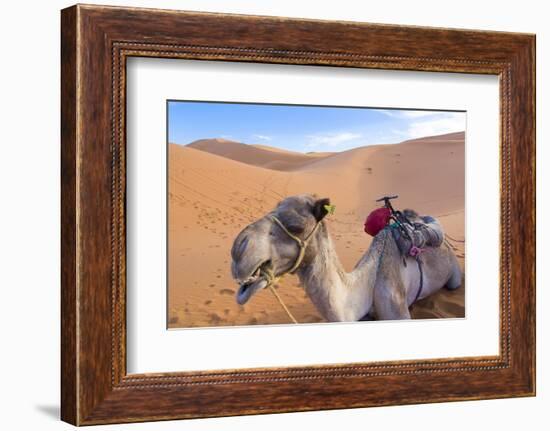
x=264, y=249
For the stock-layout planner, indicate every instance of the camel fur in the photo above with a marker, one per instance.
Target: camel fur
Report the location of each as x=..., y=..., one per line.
x=379, y=287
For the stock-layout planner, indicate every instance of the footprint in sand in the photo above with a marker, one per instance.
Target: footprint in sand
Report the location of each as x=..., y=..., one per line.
x=227, y=292
x=454, y=309
x=310, y=318
x=215, y=319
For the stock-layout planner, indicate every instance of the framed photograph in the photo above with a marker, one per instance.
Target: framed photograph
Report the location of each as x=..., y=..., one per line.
x=235, y=210
x=262, y=214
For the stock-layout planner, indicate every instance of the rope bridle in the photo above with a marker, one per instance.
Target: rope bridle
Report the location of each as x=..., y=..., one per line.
x=268, y=274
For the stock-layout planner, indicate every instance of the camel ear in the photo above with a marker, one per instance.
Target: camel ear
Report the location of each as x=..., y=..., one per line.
x=320, y=208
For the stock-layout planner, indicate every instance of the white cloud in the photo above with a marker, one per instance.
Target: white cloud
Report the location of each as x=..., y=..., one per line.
x=404, y=125
x=418, y=124
x=437, y=125
x=419, y=114
x=387, y=112
x=404, y=114
x=335, y=140
x=263, y=137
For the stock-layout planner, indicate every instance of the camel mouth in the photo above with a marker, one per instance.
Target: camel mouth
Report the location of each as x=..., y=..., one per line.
x=252, y=284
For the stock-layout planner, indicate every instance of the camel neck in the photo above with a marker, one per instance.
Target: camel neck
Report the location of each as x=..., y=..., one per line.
x=337, y=294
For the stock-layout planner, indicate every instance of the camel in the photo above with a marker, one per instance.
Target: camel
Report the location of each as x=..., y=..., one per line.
x=294, y=238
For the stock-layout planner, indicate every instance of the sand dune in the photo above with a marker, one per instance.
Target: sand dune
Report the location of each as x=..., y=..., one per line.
x=281, y=150
x=255, y=155
x=457, y=136
x=214, y=193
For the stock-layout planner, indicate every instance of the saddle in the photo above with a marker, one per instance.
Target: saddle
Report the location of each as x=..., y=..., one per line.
x=416, y=233
x=412, y=233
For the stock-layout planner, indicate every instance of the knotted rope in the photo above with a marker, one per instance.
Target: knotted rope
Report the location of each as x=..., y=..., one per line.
x=270, y=276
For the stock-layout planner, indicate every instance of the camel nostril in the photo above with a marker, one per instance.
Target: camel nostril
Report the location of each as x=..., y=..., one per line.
x=239, y=248
x=242, y=246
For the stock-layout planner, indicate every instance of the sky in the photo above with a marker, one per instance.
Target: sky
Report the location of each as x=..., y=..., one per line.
x=305, y=128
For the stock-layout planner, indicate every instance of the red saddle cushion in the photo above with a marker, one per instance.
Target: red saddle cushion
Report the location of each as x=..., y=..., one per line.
x=377, y=220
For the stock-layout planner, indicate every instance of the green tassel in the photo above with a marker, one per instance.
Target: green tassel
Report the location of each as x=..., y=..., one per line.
x=330, y=209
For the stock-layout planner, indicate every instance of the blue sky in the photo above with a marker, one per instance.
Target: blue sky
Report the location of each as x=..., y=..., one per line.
x=305, y=128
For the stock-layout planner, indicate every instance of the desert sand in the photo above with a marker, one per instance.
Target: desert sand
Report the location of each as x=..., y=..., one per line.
x=217, y=187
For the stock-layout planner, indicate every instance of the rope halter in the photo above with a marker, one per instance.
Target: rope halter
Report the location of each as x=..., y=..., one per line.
x=302, y=243
x=268, y=274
